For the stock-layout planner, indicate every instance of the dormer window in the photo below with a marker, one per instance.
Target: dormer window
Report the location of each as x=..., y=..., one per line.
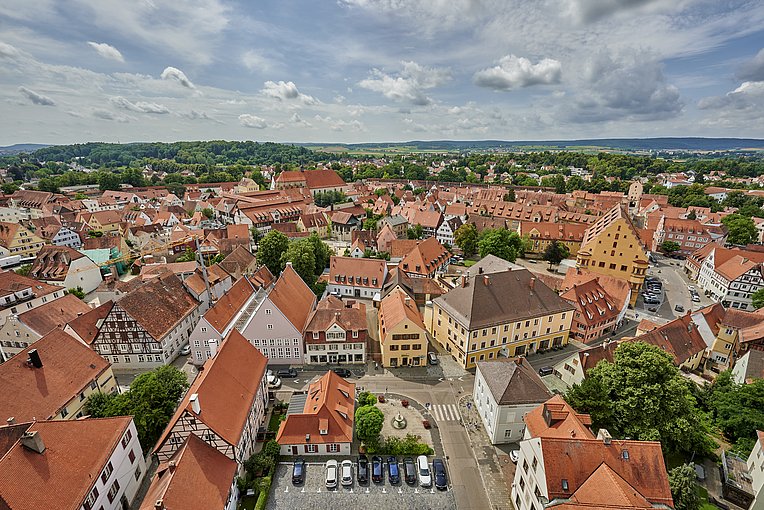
x=565, y=486
x=323, y=432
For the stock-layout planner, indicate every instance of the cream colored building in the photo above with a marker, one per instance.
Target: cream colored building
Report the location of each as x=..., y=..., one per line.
x=504, y=314
x=18, y=240
x=402, y=333
x=612, y=246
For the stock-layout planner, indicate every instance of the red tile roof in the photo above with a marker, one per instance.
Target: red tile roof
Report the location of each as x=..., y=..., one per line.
x=331, y=310
x=68, y=367
x=88, y=324
x=370, y=273
x=556, y=418
x=293, y=297
x=425, y=258
x=680, y=338
x=62, y=475
x=226, y=308
x=54, y=314
x=594, y=304
x=330, y=405
x=395, y=308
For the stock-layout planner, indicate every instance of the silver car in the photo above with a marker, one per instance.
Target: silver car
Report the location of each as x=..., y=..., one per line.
x=331, y=474
x=347, y=472
x=423, y=470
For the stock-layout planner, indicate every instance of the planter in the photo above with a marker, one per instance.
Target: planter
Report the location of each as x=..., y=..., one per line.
x=426, y=424
x=381, y=398
x=405, y=403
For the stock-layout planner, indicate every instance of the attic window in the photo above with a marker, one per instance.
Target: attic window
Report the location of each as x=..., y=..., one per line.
x=564, y=485
x=344, y=415
x=323, y=432
x=625, y=454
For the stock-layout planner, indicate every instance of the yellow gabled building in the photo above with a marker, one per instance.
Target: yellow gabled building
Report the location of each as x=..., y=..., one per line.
x=612, y=247
x=18, y=240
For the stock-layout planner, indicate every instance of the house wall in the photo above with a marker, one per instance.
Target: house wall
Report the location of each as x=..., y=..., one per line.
x=756, y=470
x=503, y=423
x=305, y=449
x=526, y=477
x=66, y=237
x=24, y=306
x=740, y=369
x=353, y=290
x=570, y=370
x=320, y=350
x=199, y=341
x=15, y=336
x=405, y=344
x=271, y=332
x=74, y=409
x=83, y=273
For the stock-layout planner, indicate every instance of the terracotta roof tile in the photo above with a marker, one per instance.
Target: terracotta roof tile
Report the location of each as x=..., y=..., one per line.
x=330, y=310
x=293, y=297
x=556, y=418
x=54, y=314
x=680, y=338
x=397, y=307
x=226, y=308
x=370, y=273
x=425, y=257
x=591, y=300
x=88, y=324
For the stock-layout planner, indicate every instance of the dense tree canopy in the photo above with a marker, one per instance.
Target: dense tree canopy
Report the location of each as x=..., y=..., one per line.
x=684, y=491
x=501, y=243
x=466, y=238
x=556, y=252
x=738, y=410
x=741, y=229
x=270, y=250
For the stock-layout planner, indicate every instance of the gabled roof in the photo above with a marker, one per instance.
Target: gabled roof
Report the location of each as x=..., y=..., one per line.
x=492, y=264
x=87, y=325
x=591, y=300
x=617, y=288
x=591, y=356
x=226, y=389
x=54, y=314
x=513, y=382
x=53, y=262
x=394, y=309
x=329, y=406
x=613, y=215
x=159, y=304
x=68, y=367
x=293, y=297
x=227, y=307
x=215, y=275
x=62, y=476
x=680, y=338
x=197, y=466
x=425, y=257
x=498, y=298
x=239, y=259
x=357, y=272
x=736, y=267
x=332, y=310
x=556, y=418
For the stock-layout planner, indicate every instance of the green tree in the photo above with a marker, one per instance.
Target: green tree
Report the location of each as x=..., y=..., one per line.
x=270, y=250
x=556, y=252
x=368, y=422
x=109, y=181
x=208, y=213
x=670, y=247
x=24, y=270
x=692, y=215
x=466, y=238
x=684, y=492
x=77, y=292
x=370, y=224
x=9, y=187
x=738, y=408
x=176, y=188
x=255, y=234
x=757, y=299
x=366, y=398
x=509, y=196
x=740, y=230
x=501, y=243
x=322, y=252
x=642, y=395
x=300, y=254
x=187, y=256
x=415, y=232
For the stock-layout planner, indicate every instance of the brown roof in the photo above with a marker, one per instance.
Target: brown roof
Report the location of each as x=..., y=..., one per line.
x=628, y=479
x=736, y=267
x=605, y=490
x=498, y=298
x=52, y=262
x=215, y=275
x=755, y=366
x=617, y=288
x=680, y=338
x=556, y=418
x=400, y=247
x=102, y=243
x=238, y=260
x=68, y=367
x=573, y=232
x=63, y=475
x=54, y=314
x=199, y=466
x=108, y=217
x=329, y=406
x=332, y=310
x=226, y=308
x=357, y=272
x=513, y=381
x=428, y=219
x=425, y=257
x=88, y=324
x=591, y=300
x=322, y=178
x=226, y=389
x=314, y=220
x=159, y=304
x=342, y=217
x=293, y=297
x=395, y=308
x=8, y=232
x=591, y=356
x=646, y=325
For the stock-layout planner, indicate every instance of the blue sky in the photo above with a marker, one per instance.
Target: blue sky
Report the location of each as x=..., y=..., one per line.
x=379, y=70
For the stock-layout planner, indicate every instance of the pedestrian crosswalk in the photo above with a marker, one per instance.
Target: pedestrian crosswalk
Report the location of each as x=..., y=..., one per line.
x=445, y=412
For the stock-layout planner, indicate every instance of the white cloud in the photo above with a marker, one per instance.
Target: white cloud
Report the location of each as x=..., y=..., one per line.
x=255, y=61
x=515, y=72
x=8, y=51
x=36, y=98
x=287, y=91
x=107, y=51
x=195, y=115
x=140, y=106
x=173, y=73
x=252, y=121
x=103, y=114
x=409, y=85
x=299, y=121
x=340, y=124
x=587, y=11
x=753, y=70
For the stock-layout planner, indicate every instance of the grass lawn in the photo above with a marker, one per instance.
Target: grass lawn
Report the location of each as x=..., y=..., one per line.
x=247, y=503
x=273, y=424
x=469, y=263
x=704, y=504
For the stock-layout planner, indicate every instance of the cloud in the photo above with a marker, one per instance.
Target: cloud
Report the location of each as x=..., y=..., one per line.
x=254, y=61
x=8, y=51
x=627, y=86
x=409, y=85
x=515, y=72
x=195, y=115
x=753, y=70
x=140, y=106
x=100, y=113
x=252, y=121
x=36, y=98
x=287, y=91
x=107, y=51
x=299, y=121
x=587, y=11
x=749, y=94
x=173, y=73
x=340, y=124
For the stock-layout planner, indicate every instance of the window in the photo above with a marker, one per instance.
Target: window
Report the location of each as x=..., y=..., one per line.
x=64, y=413
x=90, y=501
x=333, y=448
x=137, y=472
x=113, y=491
x=507, y=434
x=270, y=326
x=311, y=448
x=564, y=484
x=106, y=473
x=525, y=465
x=131, y=456
x=126, y=438
x=534, y=464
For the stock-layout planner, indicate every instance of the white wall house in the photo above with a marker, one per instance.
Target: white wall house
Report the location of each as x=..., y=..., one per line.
x=361, y=278
x=756, y=471
x=732, y=282
x=504, y=392
x=66, y=237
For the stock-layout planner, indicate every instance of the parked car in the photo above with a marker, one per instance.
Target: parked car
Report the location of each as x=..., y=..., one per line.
x=423, y=468
x=377, y=474
x=186, y=350
x=284, y=373
x=274, y=382
x=347, y=472
x=679, y=308
x=363, y=469
x=393, y=473
x=432, y=358
x=298, y=471
x=439, y=470
x=409, y=471
x=546, y=371
x=695, y=298
x=652, y=309
x=514, y=455
x=342, y=372
x=331, y=474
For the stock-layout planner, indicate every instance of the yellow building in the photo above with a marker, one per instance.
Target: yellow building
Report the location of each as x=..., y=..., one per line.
x=541, y=234
x=612, y=246
x=502, y=314
x=402, y=333
x=105, y=221
x=18, y=240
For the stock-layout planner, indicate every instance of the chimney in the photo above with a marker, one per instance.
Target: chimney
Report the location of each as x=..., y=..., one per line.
x=11, y=420
x=159, y=504
x=213, y=348
x=171, y=465
x=464, y=280
x=480, y=270
x=33, y=441
x=307, y=438
x=486, y=280
x=34, y=358
x=532, y=283
x=605, y=436
x=195, y=405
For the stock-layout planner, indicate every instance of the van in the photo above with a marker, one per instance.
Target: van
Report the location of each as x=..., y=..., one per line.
x=432, y=358
x=546, y=371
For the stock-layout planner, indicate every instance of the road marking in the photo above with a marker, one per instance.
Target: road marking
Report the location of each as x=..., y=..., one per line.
x=445, y=412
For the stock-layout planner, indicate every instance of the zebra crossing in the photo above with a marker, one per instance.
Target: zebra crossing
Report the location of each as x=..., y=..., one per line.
x=445, y=412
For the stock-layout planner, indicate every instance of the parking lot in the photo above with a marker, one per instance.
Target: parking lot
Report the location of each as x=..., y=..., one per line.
x=313, y=494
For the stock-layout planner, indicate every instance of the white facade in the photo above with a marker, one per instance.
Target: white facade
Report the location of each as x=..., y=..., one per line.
x=570, y=370
x=84, y=273
x=340, y=289
x=444, y=234
x=347, y=349
x=315, y=449
x=20, y=302
x=731, y=294
x=756, y=470
x=11, y=215
x=503, y=423
x=121, y=477
x=66, y=237
x=529, y=476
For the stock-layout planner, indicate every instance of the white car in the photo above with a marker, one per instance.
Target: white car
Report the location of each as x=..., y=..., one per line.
x=423, y=470
x=514, y=455
x=331, y=474
x=274, y=382
x=347, y=472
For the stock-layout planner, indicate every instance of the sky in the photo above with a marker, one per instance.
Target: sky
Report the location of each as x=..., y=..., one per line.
x=354, y=71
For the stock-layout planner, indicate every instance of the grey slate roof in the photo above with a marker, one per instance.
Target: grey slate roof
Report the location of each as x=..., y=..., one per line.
x=513, y=381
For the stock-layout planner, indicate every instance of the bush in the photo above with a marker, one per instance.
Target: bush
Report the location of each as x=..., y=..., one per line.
x=366, y=398
x=410, y=445
x=264, y=486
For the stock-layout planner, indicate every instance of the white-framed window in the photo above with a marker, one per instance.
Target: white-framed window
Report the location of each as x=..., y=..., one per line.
x=270, y=326
x=333, y=448
x=311, y=448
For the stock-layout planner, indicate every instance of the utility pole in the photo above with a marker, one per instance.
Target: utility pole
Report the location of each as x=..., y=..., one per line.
x=200, y=262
